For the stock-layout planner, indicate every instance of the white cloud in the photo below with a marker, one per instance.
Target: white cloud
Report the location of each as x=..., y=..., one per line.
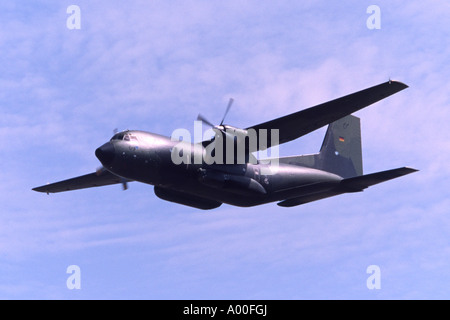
x=155, y=65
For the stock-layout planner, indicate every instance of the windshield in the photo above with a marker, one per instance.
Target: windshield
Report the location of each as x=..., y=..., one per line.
x=119, y=136
x=130, y=137
x=125, y=135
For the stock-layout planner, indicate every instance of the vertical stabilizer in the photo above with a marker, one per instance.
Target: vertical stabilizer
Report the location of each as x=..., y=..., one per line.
x=341, y=151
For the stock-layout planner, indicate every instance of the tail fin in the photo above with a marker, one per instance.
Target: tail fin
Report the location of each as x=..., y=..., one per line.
x=341, y=151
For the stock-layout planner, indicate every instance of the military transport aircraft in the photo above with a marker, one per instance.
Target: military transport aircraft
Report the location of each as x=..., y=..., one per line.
x=198, y=182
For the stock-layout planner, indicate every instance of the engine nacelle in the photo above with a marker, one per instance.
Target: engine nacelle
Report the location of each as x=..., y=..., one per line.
x=186, y=199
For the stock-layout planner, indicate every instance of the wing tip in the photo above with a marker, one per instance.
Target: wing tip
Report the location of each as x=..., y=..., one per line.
x=400, y=84
x=409, y=170
x=41, y=189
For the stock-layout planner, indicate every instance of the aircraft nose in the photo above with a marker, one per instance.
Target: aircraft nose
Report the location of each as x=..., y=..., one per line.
x=105, y=153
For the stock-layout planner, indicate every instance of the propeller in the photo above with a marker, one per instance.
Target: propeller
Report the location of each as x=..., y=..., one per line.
x=100, y=170
x=228, y=109
x=220, y=126
x=204, y=120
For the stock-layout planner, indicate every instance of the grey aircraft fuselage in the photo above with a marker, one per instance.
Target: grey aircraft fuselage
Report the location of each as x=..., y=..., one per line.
x=147, y=157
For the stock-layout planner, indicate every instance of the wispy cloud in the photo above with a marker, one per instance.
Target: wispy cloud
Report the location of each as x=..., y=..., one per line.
x=156, y=65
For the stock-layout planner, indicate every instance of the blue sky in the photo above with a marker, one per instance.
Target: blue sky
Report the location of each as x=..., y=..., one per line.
x=154, y=65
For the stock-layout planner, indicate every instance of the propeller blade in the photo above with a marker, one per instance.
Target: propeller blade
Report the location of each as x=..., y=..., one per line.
x=203, y=119
x=228, y=135
x=100, y=170
x=228, y=109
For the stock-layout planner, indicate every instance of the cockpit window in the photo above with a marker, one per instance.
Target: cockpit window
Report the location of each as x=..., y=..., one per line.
x=129, y=137
x=126, y=136
x=118, y=136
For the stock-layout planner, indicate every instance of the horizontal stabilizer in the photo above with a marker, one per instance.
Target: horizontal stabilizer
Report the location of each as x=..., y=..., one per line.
x=354, y=184
x=308, y=198
x=362, y=182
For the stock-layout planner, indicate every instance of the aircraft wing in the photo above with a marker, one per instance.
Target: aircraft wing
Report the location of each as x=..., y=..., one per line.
x=90, y=180
x=305, y=121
